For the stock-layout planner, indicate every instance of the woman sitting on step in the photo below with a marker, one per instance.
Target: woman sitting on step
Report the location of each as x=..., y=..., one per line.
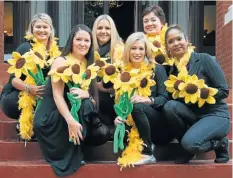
x=109, y=45
x=60, y=135
x=198, y=116
x=148, y=101
x=40, y=39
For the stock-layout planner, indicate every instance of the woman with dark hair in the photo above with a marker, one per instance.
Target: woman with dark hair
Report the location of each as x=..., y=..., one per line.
x=198, y=116
x=54, y=124
x=154, y=24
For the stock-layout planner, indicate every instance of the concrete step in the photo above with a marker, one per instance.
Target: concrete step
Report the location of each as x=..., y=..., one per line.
x=195, y=169
x=14, y=150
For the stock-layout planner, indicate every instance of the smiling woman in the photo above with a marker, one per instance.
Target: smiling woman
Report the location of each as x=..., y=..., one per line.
x=40, y=46
x=109, y=45
x=198, y=116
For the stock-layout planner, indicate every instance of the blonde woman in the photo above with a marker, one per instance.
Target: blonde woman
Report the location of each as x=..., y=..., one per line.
x=40, y=31
x=147, y=108
x=108, y=44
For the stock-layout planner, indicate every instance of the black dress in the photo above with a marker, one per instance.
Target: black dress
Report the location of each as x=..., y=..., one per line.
x=52, y=133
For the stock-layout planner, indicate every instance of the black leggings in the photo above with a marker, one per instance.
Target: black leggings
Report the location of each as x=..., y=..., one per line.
x=9, y=104
x=151, y=126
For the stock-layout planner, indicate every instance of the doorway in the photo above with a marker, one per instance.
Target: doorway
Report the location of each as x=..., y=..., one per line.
x=123, y=17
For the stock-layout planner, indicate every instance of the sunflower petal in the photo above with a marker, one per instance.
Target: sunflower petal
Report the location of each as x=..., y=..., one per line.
x=181, y=86
x=193, y=98
x=211, y=100
x=201, y=102
x=187, y=98
x=175, y=94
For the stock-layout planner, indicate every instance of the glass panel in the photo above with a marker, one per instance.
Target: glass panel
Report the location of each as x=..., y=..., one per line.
x=92, y=9
x=209, y=24
x=8, y=23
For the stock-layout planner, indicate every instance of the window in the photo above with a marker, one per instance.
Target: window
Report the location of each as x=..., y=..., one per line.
x=8, y=27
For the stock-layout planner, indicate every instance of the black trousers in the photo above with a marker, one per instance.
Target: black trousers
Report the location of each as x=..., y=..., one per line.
x=9, y=104
x=151, y=126
x=195, y=135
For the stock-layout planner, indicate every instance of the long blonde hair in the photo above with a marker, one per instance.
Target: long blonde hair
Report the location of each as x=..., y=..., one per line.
x=130, y=41
x=115, y=38
x=47, y=19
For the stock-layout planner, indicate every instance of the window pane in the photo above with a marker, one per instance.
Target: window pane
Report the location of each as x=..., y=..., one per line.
x=209, y=24
x=8, y=23
x=92, y=9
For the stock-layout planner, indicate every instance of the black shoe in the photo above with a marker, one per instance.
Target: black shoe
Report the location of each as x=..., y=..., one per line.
x=184, y=158
x=222, y=151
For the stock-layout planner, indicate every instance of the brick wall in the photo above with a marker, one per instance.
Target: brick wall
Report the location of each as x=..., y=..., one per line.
x=224, y=40
x=1, y=31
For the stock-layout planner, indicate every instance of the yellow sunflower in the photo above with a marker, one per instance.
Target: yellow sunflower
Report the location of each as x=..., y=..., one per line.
x=74, y=71
x=39, y=55
x=206, y=95
x=110, y=73
x=101, y=63
x=173, y=82
x=190, y=89
x=90, y=73
x=126, y=81
x=58, y=74
x=144, y=85
x=20, y=64
x=162, y=58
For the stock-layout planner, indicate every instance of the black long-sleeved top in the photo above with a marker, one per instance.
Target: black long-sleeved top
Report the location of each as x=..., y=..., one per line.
x=159, y=92
x=207, y=68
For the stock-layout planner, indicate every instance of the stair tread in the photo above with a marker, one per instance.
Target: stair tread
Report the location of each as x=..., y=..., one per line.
x=113, y=163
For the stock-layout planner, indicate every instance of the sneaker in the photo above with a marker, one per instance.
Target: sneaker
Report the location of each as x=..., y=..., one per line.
x=147, y=159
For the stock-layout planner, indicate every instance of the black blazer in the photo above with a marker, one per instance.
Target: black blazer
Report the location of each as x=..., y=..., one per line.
x=207, y=68
x=159, y=92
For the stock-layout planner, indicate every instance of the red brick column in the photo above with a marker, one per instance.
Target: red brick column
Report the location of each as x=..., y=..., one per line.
x=1, y=31
x=224, y=40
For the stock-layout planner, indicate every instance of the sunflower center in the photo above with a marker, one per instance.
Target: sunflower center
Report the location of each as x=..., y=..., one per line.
x=177, y=83
x=143, y=83
x=88, y=74
x=20, y=63
x=75, y=69
x=191, y=89
x=99, y=63
x=160, y=58
x=157, y=44
x=60, y=70
x=38, y=55
x=110, y=70
x=205, y=93
x=125, y=77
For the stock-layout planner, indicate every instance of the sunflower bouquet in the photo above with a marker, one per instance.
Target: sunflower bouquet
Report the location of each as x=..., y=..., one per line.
x=74, y=75
x=192, y=89
x=124, y=85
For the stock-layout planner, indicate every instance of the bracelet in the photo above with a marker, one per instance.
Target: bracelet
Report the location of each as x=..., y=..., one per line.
x=27, y=88
x=152, y=100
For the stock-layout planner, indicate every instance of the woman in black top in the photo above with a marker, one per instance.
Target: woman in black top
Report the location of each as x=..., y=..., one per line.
x=54, y=123
x=198, y=127
x=109, y=45
x=147, y=109
x=40, y=28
